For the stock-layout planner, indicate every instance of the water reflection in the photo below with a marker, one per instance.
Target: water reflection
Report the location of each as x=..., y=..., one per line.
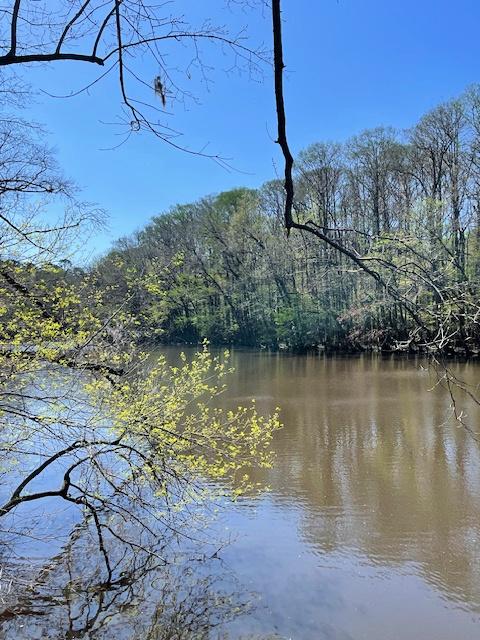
x=375, y=499
x=149, y=599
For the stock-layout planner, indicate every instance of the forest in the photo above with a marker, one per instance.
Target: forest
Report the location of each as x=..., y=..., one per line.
x=398, y=268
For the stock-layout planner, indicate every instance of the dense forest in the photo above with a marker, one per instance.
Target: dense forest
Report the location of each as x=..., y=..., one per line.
x=397, y=266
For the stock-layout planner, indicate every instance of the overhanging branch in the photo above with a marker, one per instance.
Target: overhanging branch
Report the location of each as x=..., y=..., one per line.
x=11, y=58
x=282, y=140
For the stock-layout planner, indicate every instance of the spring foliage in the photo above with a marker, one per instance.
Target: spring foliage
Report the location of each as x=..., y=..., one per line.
x=110, y=429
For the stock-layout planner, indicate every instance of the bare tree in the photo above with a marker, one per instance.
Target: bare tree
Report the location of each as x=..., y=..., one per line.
x=152, y=51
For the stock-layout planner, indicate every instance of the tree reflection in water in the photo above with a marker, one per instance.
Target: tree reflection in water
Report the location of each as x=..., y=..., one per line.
x=159, y=594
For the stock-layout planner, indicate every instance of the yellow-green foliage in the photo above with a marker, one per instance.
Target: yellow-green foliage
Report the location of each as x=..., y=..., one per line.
x=82, y=377
x=169, y=412
x=44, y=318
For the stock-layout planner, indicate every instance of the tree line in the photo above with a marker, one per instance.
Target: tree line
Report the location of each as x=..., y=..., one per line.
x=398, y=268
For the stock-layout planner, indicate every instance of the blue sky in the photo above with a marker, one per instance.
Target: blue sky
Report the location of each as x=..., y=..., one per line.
x=351, y=65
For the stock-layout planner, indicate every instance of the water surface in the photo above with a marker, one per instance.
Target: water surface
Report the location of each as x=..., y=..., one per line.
x=371, y=528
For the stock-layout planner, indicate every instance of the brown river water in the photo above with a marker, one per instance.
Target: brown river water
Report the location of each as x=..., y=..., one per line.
x=371, y=528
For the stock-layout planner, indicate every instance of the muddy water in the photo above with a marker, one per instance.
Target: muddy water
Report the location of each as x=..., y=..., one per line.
x=371, y=529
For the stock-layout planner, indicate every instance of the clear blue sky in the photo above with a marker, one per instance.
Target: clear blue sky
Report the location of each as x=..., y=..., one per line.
x=351, y=65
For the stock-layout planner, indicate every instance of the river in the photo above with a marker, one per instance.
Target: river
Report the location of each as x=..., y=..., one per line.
x=371, y=528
